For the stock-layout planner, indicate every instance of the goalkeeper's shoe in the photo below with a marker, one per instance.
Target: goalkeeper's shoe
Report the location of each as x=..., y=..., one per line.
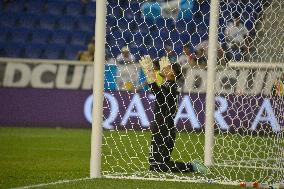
x=199, y=167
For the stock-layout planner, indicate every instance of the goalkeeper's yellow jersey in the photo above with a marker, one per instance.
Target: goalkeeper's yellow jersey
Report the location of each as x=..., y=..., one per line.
x=159, y=78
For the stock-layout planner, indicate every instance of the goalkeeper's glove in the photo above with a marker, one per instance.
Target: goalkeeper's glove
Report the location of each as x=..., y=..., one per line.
x=164, y=62
x=147, y=66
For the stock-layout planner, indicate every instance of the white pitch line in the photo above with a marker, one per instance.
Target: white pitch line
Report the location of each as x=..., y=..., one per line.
x=52, y=183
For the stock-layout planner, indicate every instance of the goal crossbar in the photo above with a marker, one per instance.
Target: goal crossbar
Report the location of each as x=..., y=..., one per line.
x=256, y=65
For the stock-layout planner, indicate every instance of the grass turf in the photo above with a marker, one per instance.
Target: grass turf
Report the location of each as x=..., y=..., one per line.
x=31, y=156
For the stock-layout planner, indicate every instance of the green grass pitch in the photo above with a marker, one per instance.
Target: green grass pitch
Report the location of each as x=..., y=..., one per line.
x=32, y=156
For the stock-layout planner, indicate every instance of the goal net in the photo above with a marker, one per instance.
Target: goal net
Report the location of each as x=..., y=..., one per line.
x=249, y=90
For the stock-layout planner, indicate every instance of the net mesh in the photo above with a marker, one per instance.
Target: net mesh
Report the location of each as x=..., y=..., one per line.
x=248, y=116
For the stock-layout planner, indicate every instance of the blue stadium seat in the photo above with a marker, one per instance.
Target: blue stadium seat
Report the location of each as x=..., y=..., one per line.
x=81, y=38
x=35, y=6
x=33, y=50
x=116, y=34
x=143, y=50
x=53, y=51
x=67, y=23
x=116, y=11
x=138, y=39
x=8, y=19
x=191, y=27
x=2, y=49
x=181, y=25
x=111, y=21
x=152, y=51
x=160, y=22
x=139, y=20
x=74, y=8
x=41, y=36
x=127, y=36
x=110, y=39
x=122, y=24
x=55, y=7
x=71, y=51
x=121, y=43
x=128, y=14
x=135, y=7
x=202, y=29
x=21, y=35
x=174, y=36
x=113, y=3
x=170, y=23
x=221, y=37
x=143, y=27
x=257, y=6
x=115, y=51
x=249, y=7
x=134, y=51
x=133, y=26
x=159, y=43
x=148, y=40
x=185, y=37
x=48, y=22
x=164, y=34
x=205, y=7
x=28, y=21
x=149, y=21
x=178, y=48
x=90, y=9
x=14, y=50
x=60, y=37
x=14, y=6
x=5, y=34
x=86, y=23
x=249, y=24
x=195, y=39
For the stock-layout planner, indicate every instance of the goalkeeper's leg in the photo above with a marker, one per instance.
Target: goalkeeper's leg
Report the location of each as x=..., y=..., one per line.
x=162, y=145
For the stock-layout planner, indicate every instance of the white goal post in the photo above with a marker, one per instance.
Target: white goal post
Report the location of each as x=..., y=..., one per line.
x=98, y=88
x=211, y=76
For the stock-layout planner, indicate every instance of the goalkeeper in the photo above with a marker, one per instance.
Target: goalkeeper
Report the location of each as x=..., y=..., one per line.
x=163, y=128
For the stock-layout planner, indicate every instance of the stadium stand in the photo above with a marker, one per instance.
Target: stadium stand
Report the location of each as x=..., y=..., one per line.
x=33, y=50
x=70, y=52
x=55, y=7
x=14, y=7
x=28, y=20
x=48, y=22
x=41, y=36
x=60, y=37
x=86, y=23
x=61, y=23
x=20, y=35
x=8, y=19
x=74, y=8
x=67, y=23
x=35, y=6
x=14, y=50
x=80, y=38
x=53, y=51
x=90, y=9
x=5, y=34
